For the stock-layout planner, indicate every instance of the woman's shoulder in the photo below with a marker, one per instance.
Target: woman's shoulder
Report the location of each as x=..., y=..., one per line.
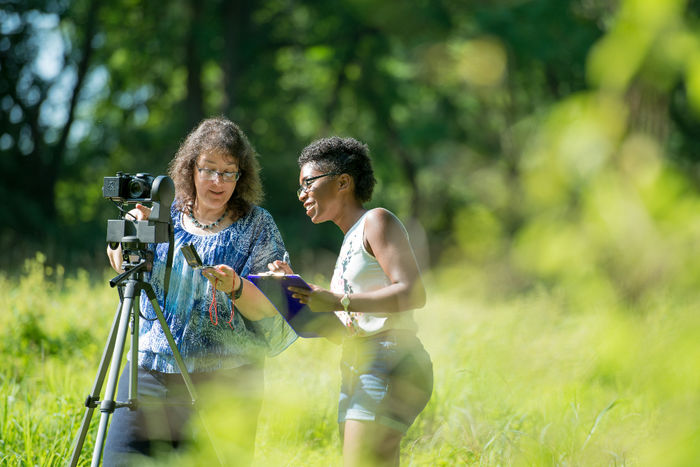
x=380, y=222
x=381, y=216
x=257, y=218
x=257, y=214
x=175, y=212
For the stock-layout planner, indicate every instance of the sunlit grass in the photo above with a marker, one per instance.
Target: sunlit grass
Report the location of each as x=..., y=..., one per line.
x=523, y=380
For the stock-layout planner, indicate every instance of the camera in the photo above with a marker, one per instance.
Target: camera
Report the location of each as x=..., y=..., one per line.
x=143, y=188
x=128, y=187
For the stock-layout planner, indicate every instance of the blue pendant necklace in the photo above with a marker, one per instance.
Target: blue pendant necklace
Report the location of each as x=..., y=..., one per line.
x=206, y=226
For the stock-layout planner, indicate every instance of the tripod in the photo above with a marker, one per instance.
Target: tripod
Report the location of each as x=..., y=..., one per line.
x=130, y=284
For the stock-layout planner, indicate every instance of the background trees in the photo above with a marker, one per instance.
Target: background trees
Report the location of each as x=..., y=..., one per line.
x=469, y=110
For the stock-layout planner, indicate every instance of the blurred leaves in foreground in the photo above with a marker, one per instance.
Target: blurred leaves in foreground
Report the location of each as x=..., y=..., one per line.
x=518, y=381
x=599, y=208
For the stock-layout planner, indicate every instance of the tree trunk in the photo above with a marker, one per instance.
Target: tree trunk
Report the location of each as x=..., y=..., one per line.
x=194, y=102
x=236, y=21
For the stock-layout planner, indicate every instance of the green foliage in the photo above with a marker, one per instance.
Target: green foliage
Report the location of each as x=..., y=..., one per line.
x=518, y=381
x=545, y=151
x=420, y=82
x=32, y=325
x=50, y=330
x=454, y=101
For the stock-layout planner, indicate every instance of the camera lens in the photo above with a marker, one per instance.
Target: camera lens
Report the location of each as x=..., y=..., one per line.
x=139, y=188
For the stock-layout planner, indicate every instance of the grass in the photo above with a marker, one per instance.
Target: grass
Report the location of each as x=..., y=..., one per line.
x=518, y=381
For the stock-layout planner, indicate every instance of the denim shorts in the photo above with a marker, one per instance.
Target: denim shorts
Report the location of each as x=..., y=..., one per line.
x=387, y=378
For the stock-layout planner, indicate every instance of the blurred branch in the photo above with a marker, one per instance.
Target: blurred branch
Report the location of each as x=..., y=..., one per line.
x=194, y=99
x=235, y=17
x=82, y=68
x=648, y=110
x=341, y=79
x=407, y=165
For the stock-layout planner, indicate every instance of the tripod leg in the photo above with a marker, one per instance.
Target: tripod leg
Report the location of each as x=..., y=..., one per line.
x=90, y=402
x=108, y=404
x=133, y=381
x=173, y=346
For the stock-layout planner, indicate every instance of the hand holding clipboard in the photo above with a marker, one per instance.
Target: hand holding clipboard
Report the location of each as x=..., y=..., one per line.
x=305, y=322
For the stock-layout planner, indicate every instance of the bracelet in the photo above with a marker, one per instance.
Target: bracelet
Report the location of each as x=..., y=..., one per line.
x=236, y=294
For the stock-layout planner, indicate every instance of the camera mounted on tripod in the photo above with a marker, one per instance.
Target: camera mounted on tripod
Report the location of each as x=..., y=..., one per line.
x=143, y=188
x=133, y=235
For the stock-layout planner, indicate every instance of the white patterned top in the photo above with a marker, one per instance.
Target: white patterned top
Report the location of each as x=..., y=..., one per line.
x=356, y=270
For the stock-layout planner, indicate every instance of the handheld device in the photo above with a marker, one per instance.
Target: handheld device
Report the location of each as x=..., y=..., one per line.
x=192, y=257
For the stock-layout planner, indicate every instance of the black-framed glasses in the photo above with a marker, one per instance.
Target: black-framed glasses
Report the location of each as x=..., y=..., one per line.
x=306, y=184
x=210, y=174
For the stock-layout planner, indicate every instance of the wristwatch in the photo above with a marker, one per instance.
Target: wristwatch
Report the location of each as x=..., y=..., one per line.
x=345, y=301
x=236, y=294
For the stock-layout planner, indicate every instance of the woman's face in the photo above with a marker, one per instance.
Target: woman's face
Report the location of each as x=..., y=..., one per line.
x=214, y=194
x=317, y=193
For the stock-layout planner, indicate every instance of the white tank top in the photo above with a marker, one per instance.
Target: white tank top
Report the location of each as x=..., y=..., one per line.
x=358, y=271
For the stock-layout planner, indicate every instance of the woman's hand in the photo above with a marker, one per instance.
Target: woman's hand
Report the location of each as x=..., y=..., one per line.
x=317, y=299
x=280, y=267
x=223, y=277
x=139, y=213
x=252, y=303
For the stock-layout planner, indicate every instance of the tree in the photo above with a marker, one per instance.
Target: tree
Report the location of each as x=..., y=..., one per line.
x=34, y=144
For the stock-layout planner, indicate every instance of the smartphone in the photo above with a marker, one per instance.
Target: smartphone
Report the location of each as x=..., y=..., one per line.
x=192, y=257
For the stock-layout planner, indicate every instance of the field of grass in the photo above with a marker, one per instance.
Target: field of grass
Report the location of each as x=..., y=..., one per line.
x=520, y=381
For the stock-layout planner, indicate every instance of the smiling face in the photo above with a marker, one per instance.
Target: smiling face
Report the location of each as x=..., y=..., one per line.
x=320, y=195
x=212, y=195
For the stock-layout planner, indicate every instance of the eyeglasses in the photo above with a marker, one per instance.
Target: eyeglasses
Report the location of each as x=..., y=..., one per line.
x=209, y=174
x=306, y=184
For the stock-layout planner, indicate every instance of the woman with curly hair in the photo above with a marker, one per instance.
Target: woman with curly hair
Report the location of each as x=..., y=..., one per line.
x=217, y=189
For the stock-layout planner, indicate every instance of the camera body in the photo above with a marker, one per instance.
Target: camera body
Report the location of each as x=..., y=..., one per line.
x=128, y=187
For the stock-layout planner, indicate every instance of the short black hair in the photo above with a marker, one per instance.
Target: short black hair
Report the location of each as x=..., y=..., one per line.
x=342, y=156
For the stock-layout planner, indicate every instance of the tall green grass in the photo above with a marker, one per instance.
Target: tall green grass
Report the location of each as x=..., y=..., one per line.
x=519, y=381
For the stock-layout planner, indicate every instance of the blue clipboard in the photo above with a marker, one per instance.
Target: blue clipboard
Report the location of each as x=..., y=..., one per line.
x=305, y=322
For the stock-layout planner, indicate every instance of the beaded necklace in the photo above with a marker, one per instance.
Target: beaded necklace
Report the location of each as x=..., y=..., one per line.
x=207, y=226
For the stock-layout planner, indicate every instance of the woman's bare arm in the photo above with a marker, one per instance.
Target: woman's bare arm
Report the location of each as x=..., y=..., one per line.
x=387, y=240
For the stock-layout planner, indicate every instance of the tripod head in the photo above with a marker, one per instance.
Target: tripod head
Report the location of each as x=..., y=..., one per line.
x=136, y=259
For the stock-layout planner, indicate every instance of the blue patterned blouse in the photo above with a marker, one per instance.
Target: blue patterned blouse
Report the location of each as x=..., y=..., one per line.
x=247, y=245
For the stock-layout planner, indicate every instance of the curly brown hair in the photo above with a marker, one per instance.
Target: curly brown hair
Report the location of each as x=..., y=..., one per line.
x=219, y=134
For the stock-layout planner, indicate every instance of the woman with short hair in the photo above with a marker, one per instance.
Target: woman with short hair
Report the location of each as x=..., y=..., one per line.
x=387, y=375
